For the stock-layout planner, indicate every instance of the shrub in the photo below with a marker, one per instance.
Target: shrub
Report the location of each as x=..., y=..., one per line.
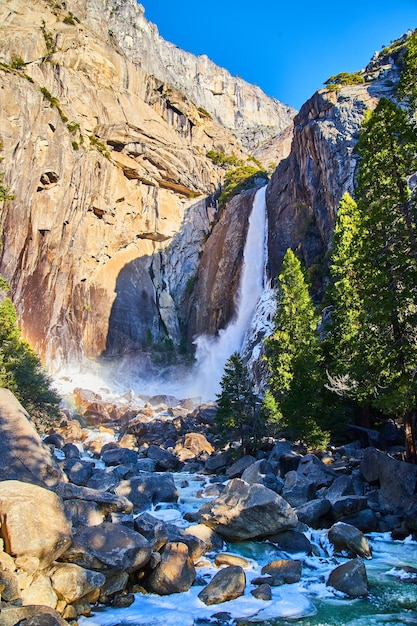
x=204, y=113
x=221, y=158
x=21, y=370
x=239, y=179
x=96, y=143
x=345, y=78
x=17, y=63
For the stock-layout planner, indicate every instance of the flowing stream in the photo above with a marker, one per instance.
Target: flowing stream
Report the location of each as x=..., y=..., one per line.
x=392, y=600
x=213, y=352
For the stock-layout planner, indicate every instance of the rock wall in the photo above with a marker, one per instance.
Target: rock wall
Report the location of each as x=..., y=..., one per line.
x=234, y=103
x=113, y=189
x=306, y=188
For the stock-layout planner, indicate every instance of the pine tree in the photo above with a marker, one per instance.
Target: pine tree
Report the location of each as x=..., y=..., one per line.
x=21, y=370
x=387, y=263
x=374, y=270
x=294, y=357
x=407, y=88
x=237, y=405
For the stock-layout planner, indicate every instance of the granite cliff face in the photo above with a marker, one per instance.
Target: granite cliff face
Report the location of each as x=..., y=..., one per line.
x=107, y=161
x=306, y=188
x=113, y=241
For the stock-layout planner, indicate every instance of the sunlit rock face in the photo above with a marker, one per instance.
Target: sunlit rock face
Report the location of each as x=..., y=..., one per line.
x=235, y=104
x=113, y=188
x=306, y=188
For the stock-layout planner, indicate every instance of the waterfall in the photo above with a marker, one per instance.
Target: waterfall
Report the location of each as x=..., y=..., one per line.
x=213, y=352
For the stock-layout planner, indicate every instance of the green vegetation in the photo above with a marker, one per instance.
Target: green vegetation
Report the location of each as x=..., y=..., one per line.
x=376, y=312
x=21, y=370
x=407, y=88
x=239, y=179
x=238, y=408
x=345, y=78
x=295, y=360
x=49, y=38
x=5, y=196
x=221, y=158
x=98, y=145
x=54, y=102
x=17, y=63
x=71, y=19
x=204, y=113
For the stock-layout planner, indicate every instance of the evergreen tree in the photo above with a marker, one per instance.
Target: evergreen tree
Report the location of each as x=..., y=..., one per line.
x=407, y=88
x=237, y=405
x=374, y=270
x=21, y=370
x=294, y=358
x=387, y=264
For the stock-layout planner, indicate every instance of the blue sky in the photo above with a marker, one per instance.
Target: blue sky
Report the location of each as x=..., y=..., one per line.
x=288, y=48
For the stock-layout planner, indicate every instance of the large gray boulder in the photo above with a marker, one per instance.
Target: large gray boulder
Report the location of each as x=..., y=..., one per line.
x=108, y=548
x=245, y=511
x=397, y=480
x=148, y=488
x=345, y=537
x=33, y=522
x=350, y=578
x=262, y=472
x=228, y=584
x=175, y=573
x=23, y=456
x=316, y=471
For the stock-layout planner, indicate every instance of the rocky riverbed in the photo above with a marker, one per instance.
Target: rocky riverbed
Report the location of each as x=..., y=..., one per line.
x=129, y=511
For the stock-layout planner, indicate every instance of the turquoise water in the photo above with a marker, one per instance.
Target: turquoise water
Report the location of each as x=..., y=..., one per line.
x=310, y=602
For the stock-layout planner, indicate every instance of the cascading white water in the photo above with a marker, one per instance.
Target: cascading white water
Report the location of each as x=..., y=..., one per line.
x=213, y=352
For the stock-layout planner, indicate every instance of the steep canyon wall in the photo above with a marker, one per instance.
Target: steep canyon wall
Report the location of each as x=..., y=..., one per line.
x=107, y=162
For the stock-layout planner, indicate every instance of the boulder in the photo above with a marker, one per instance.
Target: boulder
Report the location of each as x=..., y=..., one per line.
x=239, y=466
x=148, y=488
x=108, y=548
x=33, y=522
x=71, y=582
x=316, y=471
x=297, y=489
x=350, y=578
x=158, y=533
x=397, y=480
x=245, y=511
x=107, y=502
x=119, y=456
x=312, y=512
x=78, y=470
x=223, y=558
x=102, y=480
x=229, y=583
x=347, y=505
x=175, y=573
x=83, y=513
x=163, y=459
x=40, y=591
x=9, y=586
x=344, y=485
x=193, y=445
x=218, y=461
x=263, y=592
x=261, y=472
x=113, y=585
x=212, y=540
x=348, y=538
x=292, y=541
x=365, y=520
x=23, y=456
x=31, y=616
x=284, y=570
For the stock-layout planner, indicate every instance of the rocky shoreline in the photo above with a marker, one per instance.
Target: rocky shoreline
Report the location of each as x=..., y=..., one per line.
x=76, y=508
